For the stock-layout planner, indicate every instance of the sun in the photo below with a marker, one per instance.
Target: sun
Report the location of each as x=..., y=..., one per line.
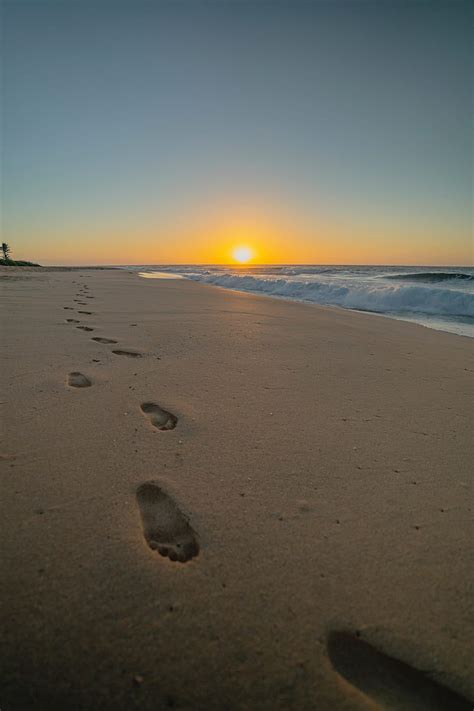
x=242, y=254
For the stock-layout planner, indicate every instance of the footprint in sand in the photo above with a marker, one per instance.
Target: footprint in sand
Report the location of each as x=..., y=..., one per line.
x=78, y=380
x=88, y=313
x=389, y=682
x=129, y=354
x=72, y=320
x=165, y=527
x=68, y=308
x=85, y=328
x=103, y=340
x=159, y=418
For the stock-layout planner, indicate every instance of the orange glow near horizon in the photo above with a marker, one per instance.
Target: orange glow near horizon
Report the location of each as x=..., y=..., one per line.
x=228, y=233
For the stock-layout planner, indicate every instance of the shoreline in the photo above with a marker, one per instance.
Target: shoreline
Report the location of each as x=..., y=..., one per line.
x=317, y=472
x=12, y=268
x=425, y=320
x=337, y=308
x=380, y=292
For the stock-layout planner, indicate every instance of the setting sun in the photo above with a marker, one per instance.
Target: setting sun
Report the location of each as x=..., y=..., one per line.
x=242, y=254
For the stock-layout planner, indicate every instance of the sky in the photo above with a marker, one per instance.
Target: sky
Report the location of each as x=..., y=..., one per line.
x=322, y=132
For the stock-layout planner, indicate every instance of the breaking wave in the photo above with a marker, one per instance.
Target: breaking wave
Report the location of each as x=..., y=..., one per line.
x=361, y=295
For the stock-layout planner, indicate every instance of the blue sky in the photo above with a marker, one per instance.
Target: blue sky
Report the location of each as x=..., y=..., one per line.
x=331, y=123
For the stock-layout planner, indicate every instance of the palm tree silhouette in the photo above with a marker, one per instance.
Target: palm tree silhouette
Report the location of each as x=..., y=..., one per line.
x=6, y=251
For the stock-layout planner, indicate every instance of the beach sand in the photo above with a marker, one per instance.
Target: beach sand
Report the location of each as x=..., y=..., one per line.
x=311, y=466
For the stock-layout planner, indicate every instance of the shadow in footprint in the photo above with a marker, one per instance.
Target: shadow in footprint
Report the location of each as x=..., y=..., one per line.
x=68, y=308
x=159, y=418
x=129, y=354
x=389, y=682
x=99, y=339
x=78, y=380
x=72, y=320
x=88, y=313
x=85, y=328
x=165, y=527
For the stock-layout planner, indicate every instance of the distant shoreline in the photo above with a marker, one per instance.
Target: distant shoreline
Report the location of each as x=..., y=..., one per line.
x=37, y=267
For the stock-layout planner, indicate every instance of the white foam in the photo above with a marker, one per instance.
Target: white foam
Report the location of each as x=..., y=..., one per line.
x=364, y=295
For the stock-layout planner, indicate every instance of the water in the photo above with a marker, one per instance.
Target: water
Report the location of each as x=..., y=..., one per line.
x=438, y=297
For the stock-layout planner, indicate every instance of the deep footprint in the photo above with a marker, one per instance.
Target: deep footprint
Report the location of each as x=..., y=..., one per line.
x=78, y=380
x=85, y=328
x=103, y=340
x=393, y=684
x=129, y=354
x=72, y=320
x=88, y=313
x=159, y=418
x=165, y=527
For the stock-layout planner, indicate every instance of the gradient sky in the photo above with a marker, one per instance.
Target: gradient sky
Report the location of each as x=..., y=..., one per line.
x=170, y=132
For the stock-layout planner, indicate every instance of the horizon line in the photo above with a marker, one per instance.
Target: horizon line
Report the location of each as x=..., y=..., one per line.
x=261, y=264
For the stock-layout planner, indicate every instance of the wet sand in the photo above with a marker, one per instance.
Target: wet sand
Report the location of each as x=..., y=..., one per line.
x=214, y=500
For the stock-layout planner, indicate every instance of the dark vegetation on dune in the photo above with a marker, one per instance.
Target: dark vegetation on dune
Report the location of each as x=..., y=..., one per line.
x=20, y=263
x=7, y=261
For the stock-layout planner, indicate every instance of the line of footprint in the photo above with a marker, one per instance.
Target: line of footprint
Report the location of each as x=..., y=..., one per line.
x=386, y=680
x=166, y=529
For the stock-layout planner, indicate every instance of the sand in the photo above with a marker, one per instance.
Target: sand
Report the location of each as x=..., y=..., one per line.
x=227, y=501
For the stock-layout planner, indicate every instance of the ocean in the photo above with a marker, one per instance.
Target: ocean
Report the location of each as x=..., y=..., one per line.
x=437, y=297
